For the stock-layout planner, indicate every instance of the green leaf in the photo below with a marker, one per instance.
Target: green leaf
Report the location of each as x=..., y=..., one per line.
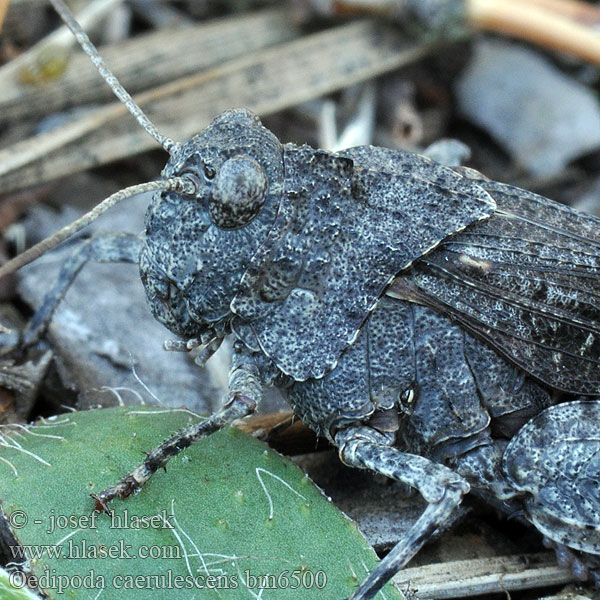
x=230, y=514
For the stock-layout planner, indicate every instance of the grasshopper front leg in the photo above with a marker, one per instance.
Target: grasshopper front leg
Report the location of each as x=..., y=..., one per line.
x=245, y=392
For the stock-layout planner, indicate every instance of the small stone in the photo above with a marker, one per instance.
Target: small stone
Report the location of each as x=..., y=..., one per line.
x=542, y=117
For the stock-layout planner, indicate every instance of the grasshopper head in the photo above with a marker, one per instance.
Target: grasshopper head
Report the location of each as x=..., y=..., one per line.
x=199, y=246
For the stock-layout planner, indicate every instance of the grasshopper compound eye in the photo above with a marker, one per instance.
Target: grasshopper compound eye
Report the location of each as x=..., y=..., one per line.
x=238, y=193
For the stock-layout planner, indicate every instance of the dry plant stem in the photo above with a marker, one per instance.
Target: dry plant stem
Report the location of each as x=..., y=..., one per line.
x=3, y=9
x=39, y=146
x=483, y=576
x=61, y=38
x=26, y=151
x=582, y=12
x=537, y=21
x=331, y=60
x=190, y=50
x=176, y=184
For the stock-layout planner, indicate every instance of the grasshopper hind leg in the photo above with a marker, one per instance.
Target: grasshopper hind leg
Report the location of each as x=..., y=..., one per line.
x=554, y=461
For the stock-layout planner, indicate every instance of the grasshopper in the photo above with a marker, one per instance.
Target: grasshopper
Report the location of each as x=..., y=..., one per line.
x=417, y=316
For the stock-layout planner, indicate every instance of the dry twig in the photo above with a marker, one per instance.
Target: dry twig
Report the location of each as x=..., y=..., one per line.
x=3, y=9
x=563, y=25
x=289, y=73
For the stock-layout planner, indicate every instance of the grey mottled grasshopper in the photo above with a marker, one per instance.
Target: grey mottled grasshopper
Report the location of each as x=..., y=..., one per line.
x=417, y=316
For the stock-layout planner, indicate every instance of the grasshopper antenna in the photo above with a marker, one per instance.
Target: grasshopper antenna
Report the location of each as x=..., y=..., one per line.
x=120, y=92
x=175, y=184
